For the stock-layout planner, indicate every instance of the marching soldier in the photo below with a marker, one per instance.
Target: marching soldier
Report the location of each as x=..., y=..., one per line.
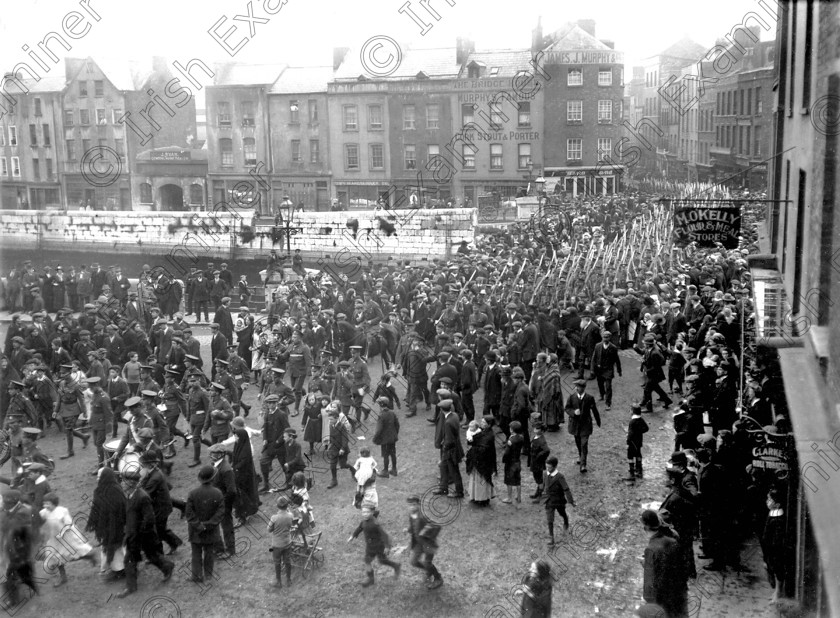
x=70, y=406
x=198, y=409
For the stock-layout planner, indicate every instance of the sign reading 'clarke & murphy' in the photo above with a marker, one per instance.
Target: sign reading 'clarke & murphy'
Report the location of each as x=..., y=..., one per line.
x=707, y=226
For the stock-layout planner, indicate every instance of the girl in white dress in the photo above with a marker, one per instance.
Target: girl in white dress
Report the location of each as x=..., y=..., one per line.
x=63, y=542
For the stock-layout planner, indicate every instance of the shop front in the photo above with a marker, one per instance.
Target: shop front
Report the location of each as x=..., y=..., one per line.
x=580, y=181
x=361, y=194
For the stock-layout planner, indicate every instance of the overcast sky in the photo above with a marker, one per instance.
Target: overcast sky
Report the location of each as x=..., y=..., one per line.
x=305, y=31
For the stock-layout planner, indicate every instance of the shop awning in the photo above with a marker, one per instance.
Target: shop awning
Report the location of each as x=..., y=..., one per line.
x=816, y=427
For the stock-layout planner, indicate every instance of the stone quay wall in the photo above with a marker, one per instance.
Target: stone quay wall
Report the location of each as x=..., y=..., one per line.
x=342, y=237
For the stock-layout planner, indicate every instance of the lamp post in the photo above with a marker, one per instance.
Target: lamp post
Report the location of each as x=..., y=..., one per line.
x=287, y=207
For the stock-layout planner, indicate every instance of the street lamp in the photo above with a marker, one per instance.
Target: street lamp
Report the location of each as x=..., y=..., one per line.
x=287, y=207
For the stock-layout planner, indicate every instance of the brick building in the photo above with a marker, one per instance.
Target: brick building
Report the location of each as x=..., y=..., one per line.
x=584, y=107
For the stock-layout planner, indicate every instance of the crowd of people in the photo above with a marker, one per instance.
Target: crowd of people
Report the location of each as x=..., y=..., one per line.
x=535, y=325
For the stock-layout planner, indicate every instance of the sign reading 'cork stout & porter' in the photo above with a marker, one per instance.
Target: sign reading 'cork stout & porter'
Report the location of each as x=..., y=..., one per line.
x=707, y=226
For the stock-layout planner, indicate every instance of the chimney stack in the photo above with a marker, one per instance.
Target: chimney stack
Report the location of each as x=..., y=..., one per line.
x=537, y=37
x=588, y=25
x=463, y=48
x=338, y=56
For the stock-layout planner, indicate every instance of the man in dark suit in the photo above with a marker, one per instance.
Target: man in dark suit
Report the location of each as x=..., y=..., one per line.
x=98, y=278
x=590, y=336
x=492, y=384
x=205, y=509
x=140, y=534
x=386, y=435
x=651, y=367
x=134, y=311
x=451, y=452
x=605, y=363
x=581, y=408
x=120, y=287
x=156, y=485
x=114, y=344
x=445, y=369
x=675, y=323
x=218, y=347
x=665, y=574
x=225, y=481
x=529, y=346
x=293, y=460
x=224, y=319
x=163, y=341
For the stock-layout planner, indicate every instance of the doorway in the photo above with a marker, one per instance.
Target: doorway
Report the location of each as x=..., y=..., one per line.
x=172, y=197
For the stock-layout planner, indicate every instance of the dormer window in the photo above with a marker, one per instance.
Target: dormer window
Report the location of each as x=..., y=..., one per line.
x=422, y=75
x=494, y=71
x=475, y=69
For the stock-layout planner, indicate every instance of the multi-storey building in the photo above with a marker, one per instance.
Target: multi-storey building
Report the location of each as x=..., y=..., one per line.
x=300, y=136
x=93, y=103
x=796, y=284
x=584, y=107
x=238, y=130
x=383, y=130
x=743, y=120
x=659, y=128
x=505, y=151
x=29, y=152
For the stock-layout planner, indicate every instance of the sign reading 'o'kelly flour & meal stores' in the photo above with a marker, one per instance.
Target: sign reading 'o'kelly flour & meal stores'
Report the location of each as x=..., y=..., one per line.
x=707, y=226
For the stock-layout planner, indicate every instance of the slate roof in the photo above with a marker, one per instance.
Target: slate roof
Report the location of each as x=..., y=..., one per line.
x=295, y=80
x=508, y=61
x=686, y=49
x=47, y=84
x=235, y=74
x=573, y=37
x=435, y=63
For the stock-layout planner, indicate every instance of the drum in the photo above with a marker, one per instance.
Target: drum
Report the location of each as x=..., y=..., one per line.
x=111, y=446
x=128, y=461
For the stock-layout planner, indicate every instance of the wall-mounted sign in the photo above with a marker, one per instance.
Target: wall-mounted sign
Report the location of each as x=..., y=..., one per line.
x=707, y=226
x=170, y=155
x=582, y=57
x=770, y=458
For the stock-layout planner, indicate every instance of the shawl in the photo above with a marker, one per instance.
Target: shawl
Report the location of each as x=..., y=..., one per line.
x=107, y=512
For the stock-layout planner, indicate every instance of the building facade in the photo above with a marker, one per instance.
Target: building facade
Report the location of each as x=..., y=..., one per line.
x=238, y=136
x=300, y=137
x=796, y=283
x=584, y=109
x=29, y=154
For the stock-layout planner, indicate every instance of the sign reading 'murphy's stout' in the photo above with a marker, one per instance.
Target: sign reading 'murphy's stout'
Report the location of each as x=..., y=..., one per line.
x=707, y=226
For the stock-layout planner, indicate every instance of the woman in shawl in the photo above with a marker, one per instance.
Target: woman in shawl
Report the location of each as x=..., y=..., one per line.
x=481, y=463
x=107, y=522
x=550, y=396
x=247, y=500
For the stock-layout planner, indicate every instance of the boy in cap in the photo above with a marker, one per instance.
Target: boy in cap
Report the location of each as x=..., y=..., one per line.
x=423, y=544
x=635, y=433
x=557, y=495
x=386, y=436
x=377, y=544
x=280, y=529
